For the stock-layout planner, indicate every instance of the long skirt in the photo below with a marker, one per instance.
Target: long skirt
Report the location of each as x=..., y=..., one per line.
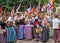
x=2, y=39
x=21, y=32
x=11, y=35
x=45, y=35
x=16, y=30
x=56, y=34
x=28, y=32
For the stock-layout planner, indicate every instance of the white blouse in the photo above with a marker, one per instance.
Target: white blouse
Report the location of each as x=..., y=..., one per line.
x=56, y=22
x=10, y=19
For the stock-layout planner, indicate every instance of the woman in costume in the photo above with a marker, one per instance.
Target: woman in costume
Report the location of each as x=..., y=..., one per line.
x=27, y=30
x=56, y=27
x=2, y=38
x=45, y=32
x=21, y=29
x=11, y=34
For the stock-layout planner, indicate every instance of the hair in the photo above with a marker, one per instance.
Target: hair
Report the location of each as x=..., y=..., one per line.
x=56, y=16
x=8, y=23
x=3, y=18
x=21, y=22
x=11, y=23
x=36, y=20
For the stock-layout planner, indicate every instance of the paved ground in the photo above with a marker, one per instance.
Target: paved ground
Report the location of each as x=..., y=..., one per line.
x=32, y=41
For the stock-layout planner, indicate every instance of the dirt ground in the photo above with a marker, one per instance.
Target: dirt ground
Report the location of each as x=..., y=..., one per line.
x=33, y=41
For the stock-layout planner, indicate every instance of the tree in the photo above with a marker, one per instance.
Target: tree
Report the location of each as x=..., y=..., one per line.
x=8, y=4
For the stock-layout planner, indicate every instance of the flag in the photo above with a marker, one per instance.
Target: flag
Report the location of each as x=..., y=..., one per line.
x=50, y=6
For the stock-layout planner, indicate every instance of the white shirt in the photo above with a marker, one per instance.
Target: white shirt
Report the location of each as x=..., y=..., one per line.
x=56, y=22
x=10, y=19
x=29, y=10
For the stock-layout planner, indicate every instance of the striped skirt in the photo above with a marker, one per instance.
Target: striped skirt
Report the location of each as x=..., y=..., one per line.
x=2, y=39
x=56, y=34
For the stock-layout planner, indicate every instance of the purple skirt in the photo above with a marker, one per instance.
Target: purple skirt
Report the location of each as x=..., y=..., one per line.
x=2, y=39
x=28, y=32
x=56, y=34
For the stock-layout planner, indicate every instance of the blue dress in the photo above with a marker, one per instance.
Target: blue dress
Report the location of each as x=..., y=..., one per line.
x=45, y=33
x=21, y=32
x=11, y=34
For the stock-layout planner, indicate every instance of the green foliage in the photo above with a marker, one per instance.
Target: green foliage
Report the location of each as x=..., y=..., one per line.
x=8, y=4
x=44, y=2
x=55, y=4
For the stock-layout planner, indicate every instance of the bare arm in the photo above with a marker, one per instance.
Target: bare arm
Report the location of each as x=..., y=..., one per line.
x=18, y=7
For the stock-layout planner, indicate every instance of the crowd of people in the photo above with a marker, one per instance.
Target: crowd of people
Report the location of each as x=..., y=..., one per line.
x=31, y=24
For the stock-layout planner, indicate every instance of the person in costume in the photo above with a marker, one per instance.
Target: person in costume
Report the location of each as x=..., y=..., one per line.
x=2, y=37
x=45, y=32
x=21, y=29
x=27, y=30
x=36, y=29
x=56, y=27
x=11, y=34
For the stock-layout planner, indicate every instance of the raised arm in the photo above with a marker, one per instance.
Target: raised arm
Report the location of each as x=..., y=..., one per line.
x=18, y=7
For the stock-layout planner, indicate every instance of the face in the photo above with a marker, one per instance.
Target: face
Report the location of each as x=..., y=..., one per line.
x=11, y=23
x=3, y=18
x=8, y=23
